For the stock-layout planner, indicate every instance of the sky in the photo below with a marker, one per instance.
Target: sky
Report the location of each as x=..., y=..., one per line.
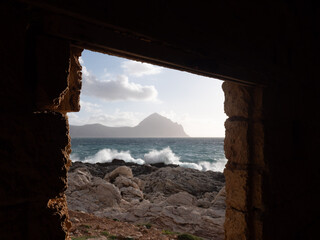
x=119, y=92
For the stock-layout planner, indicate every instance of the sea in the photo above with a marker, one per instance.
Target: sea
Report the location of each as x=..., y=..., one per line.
x=199, y=153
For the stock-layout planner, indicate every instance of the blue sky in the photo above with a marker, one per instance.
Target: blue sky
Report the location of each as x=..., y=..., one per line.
x=121, y=92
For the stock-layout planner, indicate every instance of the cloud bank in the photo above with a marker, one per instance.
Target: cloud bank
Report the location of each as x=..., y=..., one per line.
x=118, y=88
x=138, y=69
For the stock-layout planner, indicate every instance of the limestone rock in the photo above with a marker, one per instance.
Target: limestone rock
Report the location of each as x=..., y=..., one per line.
x=122, y=181
x=130, y=193
x=88, y=194
x=173, y=180
x=78, y=179
x=203, y=203
x=181, y=198
x=175, y=198
x=219, y=200
x=120, y=171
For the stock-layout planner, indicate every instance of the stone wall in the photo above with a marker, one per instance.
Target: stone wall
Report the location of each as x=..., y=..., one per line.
x=244, y=149
x=40, y=83
x=271, y=171
x=272, y=133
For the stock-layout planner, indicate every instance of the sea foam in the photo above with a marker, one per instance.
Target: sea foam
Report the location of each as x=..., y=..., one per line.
x=165, y=155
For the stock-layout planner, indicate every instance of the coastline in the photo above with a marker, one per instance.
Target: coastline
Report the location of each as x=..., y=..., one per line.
x=167, y=196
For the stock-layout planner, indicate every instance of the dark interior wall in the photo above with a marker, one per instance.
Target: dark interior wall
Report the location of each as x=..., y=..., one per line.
x=274, y=46
x=38, y=74
x=291, y=142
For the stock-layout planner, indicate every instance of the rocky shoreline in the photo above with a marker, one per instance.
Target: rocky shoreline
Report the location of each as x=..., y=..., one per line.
x=167, y=196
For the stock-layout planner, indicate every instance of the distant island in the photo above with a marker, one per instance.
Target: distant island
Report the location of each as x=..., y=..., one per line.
x=155, y=126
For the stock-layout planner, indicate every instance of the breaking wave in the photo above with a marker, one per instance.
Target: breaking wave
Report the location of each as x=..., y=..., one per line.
x=165, y=155
x=107, y=155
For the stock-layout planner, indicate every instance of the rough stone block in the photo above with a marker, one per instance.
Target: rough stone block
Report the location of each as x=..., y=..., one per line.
x=71, y=100
x=236, y=142
x=59, y=212
x=237, y=99
x=235, y=225
x=236, y=188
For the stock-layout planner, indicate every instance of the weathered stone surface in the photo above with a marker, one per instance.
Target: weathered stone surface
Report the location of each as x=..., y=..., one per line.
x=205, y=201
x=235, y=225
x=71, y=98
x=220, y=200
x=174, y=180
x=130, y=193
x=181, y=198
x=236, y=145
x=237, y=100
x=120, y=171
x=59, y=208
x=87, y=193
x=122, y=181
x=237, y=189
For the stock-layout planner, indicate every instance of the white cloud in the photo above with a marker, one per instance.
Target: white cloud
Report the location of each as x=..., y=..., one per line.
x=119, y=88
x=90, y=107
x=138, y=69
x=81, y=61
x=75, y=119
x=73, y=115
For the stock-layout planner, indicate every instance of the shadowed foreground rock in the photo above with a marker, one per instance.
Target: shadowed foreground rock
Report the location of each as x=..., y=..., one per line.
x=173, y=198
x=88, y=226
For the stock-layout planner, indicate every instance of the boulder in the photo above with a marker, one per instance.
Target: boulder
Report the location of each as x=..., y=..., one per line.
x=78, y=179
x=122, y=181
x=181, y=198
x=203, y=203
x=87, y=193
x=130, y=193
x=173, y=180
x=119, y=171
x=220, y=200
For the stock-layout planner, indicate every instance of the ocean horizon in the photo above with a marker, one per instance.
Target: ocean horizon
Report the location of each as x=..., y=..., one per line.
x=201, y=153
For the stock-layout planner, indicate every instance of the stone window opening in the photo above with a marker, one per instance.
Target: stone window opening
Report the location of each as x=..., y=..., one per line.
x=244, y=140
x=267, y=54
x=217, y=201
